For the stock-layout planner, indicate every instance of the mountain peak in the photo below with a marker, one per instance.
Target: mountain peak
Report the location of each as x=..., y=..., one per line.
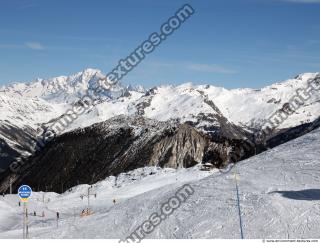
x=60, y=88
x=307, y=76
x=88, y=74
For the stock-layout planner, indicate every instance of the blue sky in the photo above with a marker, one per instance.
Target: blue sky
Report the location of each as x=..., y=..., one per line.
x=230, y=43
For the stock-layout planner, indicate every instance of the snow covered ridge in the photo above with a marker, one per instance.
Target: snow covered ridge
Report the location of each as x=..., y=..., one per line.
x=302, y=96
x=279, y=117
x=47, y=99
x=45, y=105
x=51, y=101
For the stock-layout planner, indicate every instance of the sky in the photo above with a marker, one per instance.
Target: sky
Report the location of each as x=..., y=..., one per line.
x=229, y=43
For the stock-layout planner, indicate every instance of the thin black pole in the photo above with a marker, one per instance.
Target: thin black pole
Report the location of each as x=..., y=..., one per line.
x=239, y=209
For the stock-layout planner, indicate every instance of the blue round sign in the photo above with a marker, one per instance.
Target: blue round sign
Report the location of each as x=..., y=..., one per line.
x=24, y=192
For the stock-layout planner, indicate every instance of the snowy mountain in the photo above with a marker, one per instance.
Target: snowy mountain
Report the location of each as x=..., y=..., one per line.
x=278, y=191
x=224, y=119
x=27, y=106
x=49, y=98
x=62, y=89
x=243, y=107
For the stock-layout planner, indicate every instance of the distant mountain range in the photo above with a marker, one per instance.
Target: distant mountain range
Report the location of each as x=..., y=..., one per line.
x=130, y=127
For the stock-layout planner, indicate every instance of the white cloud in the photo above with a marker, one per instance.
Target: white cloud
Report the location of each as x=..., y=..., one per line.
x=210, y=68
x=28, y=45
x=34, y=45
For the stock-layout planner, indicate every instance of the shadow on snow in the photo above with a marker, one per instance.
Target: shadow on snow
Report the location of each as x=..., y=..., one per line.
x=308, y=194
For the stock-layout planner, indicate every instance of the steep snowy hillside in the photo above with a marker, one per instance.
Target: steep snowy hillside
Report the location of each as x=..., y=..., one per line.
x=22, y=111
x=278, y=190
x=20, y=119
x=252, y=107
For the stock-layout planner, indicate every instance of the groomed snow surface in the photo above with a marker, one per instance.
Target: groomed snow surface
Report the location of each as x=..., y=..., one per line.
x=279, y=198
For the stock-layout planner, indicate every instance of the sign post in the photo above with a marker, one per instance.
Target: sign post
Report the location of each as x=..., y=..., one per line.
x=24, y=193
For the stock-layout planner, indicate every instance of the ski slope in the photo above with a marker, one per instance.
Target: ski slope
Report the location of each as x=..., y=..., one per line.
x=70, y=204
x=279, y=198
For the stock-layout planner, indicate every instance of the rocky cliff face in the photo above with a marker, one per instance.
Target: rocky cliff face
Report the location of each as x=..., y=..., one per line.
x=15, y=142
x=184, y=148
x=118, y=145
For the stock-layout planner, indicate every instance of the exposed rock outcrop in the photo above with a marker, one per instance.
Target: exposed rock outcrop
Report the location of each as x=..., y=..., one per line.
x=119, y=145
